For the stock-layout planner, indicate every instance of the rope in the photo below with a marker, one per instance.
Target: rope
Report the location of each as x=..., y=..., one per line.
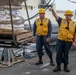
x=44, y=7
x=72, y=1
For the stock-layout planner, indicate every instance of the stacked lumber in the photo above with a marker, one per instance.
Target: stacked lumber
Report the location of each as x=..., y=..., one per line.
x=20, y=37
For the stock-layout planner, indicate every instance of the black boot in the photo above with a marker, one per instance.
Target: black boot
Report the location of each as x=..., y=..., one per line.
x=51, y=61
x=58, y=68
x=40, y=61
x=66, y=69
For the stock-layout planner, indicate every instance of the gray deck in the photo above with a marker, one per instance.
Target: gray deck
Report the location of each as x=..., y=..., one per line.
x=27, y=67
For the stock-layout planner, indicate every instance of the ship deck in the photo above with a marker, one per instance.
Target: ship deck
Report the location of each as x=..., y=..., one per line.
x=28, y=66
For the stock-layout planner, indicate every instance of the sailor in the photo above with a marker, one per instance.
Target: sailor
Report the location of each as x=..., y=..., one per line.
x=42, y=32
x=66, y=37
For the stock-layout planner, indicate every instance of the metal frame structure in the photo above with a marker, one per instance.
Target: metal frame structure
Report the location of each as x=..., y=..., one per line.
x=8, y=57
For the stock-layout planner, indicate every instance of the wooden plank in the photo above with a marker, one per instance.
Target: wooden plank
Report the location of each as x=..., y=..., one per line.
x=21, y=37
x=25, y=40
x=25, y=35
x=9, y=31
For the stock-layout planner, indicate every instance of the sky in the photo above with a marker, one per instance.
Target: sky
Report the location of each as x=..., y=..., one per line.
x=65, y=4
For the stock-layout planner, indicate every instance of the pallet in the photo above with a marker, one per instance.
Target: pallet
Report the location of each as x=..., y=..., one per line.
x=20, y=37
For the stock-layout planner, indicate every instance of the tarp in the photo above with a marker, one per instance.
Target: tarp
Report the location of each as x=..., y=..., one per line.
x=13, y=2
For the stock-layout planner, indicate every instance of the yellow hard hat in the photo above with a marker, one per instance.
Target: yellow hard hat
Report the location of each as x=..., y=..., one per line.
x=69, y=12
x=41, y=10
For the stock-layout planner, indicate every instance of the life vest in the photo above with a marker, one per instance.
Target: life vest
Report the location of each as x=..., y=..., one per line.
x=42, y=27
x=64, y=33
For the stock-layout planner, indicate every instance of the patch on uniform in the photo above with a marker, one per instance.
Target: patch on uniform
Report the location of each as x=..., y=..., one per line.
x=72, y=24
x=38, y=20
x=44, y=20
x=64, y=22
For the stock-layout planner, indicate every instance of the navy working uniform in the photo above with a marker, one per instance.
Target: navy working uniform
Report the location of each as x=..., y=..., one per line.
x=65, y=38
x=42, y=30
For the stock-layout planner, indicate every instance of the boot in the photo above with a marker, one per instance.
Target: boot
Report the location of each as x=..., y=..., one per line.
x=51, y=61
x=40, y=61
x=58, y=68
x=66, y=69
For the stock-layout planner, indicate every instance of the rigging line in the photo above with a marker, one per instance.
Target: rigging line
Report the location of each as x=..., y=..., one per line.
x=44, y=7
x=50, y=4
x=71, y=1
x=37, y=13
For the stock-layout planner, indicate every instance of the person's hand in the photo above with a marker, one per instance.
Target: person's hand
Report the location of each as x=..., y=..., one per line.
x=51, y=9
x=34, y=40
x=48, y=39
x=74, y=44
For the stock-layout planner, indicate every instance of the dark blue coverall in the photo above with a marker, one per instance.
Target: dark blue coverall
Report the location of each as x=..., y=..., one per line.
x=41, y=40
x=62, y=49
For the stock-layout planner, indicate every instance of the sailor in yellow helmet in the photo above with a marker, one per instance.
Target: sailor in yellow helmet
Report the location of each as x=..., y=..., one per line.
x=42, y=30
x=66, y=36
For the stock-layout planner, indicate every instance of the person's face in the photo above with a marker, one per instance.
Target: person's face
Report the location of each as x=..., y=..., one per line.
x=42, y=15
x=68, y=17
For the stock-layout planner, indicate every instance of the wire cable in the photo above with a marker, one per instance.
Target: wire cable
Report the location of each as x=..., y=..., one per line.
x=44, y=7
x=72, y=1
